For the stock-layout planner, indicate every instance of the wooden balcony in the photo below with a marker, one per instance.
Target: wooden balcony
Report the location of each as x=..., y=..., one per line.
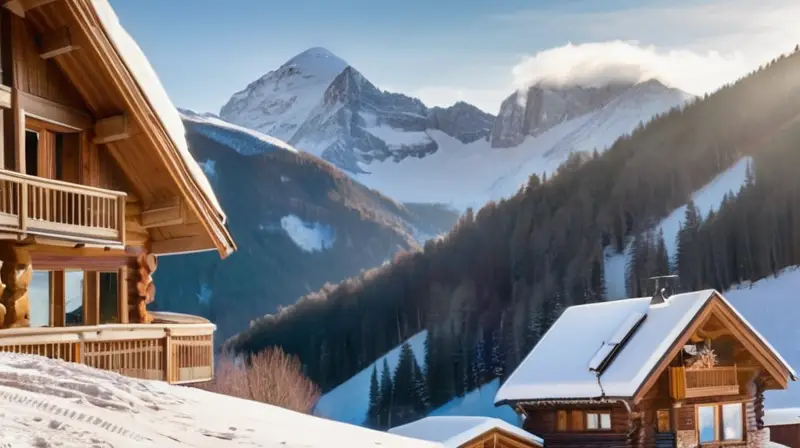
x=62, y=210
x=693, y=383
x=175, y=353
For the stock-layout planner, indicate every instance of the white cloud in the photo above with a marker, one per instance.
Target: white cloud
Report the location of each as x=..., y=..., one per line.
x=600, y=63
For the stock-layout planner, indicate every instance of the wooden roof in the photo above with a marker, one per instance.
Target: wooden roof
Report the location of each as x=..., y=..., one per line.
x=150, y=159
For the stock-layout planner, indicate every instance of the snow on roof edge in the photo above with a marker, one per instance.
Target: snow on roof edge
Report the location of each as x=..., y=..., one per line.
x=148, y=82
x=416, y=429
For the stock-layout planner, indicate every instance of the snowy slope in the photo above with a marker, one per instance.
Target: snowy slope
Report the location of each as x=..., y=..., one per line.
x=349, y=401
x=47, y=403
x=479, y=402
x=469, y=175
x=771, y=305
x=707, y=198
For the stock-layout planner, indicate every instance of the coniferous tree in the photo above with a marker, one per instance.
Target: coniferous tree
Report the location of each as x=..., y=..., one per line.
x=386, y=401
x=373, y=412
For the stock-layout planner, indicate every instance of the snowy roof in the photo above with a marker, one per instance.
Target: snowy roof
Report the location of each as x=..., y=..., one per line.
x=148, y=82
x=47, y=402
x=453, y=432
x=558, y=367
x=785, y=416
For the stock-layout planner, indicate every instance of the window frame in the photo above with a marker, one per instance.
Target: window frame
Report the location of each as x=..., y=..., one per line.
x=719, y=423
x=599, y=415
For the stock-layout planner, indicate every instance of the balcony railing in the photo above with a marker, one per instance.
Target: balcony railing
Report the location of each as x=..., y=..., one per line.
x=176, y=353
x=39, y=206
x=694, y=383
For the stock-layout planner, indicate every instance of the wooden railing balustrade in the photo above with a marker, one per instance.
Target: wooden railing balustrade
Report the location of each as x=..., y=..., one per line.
x=703, y=382
x=176, y=353
x=39, y=206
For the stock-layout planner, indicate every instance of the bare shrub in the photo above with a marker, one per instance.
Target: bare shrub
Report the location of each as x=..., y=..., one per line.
x=271, y=377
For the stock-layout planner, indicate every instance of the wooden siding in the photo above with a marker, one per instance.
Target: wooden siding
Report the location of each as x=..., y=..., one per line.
x=37, y=76
x=788, y=435
x=498, y=438
x=543, y=421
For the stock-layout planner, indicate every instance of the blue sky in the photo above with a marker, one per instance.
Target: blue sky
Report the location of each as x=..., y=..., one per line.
x=446, y=50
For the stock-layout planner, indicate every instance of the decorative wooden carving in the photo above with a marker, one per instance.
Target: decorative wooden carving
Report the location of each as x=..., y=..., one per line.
x=16, y=274
x=145, y=289
x=705, y=358
x=758, y=404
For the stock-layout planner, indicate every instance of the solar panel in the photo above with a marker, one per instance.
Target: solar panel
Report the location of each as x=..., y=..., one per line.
x=606, y=351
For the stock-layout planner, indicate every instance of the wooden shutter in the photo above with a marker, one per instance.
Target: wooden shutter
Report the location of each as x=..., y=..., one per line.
x=577, y=421
x=561, y=421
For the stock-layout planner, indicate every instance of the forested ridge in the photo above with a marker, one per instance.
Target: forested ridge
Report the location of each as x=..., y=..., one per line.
x=489, y=289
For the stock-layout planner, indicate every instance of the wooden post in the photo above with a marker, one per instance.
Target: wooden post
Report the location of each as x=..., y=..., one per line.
x=168, y=373
x=91, y=298
x=58, y=314
x=122, y=294
x=19, y=130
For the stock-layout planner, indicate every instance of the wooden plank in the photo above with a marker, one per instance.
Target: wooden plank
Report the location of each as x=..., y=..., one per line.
x=52, y=112
x=179, y=245
x=91, y=298
x=164, y=213
x=122, y=294
x=111, y=129
x=20, y=7
x=18, y=116
x=57, y=42
x=58, y=310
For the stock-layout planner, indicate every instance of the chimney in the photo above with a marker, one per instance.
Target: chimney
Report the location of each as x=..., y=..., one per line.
x=663, y=287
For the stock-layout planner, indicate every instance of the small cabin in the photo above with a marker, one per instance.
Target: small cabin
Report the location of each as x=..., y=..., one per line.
x=96, y=183
x=783, y=425
x=681, y=371
x=468, y=432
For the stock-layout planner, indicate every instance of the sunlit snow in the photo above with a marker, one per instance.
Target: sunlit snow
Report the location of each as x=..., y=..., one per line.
x=309, y=236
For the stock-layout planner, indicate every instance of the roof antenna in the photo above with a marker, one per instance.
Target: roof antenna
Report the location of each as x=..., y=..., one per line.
x=662, y=293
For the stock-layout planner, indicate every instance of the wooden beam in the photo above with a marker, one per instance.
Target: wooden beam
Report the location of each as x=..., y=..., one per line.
x=180, y=245
x=164, y=213
x=111, y=129
x=57, y=42
x=52, y=112
x=18, y=117
x=20, y=7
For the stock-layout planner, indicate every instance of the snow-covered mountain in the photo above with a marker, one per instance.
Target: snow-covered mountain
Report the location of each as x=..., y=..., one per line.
x=458, y=155
x=319, y=103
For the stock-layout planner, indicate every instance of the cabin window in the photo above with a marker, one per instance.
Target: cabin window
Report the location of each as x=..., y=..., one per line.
x=662, y=420
x=720, y=422
x=598, y=421
x=39, y=299
x=732, y=421
x=109, y=309
x=707, y=423
x=73, y=298
x=577, y=421
x=31, y=152
x=561, y=421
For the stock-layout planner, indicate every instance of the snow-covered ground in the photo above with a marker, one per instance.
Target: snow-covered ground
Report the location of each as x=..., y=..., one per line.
x=707, y=198
x=309, y=236
x=349, y=401
x=246, y=141
x=469, y=175
x=50, y=403
x=772, y=306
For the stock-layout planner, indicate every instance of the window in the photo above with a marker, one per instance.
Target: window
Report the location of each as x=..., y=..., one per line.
x=598, y=421
x=108, y=298
x=732, y=421
x=720, y=422
x=707, y=423
x=31, y=152
x=73, y=298
x=39, y=299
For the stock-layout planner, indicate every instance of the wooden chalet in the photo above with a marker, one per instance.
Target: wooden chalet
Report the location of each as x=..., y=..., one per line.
x=468, y=432
x=784, y=426
x=682, y=371
x=96, y=182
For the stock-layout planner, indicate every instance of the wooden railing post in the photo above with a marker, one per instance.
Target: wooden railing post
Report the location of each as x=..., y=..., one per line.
x=168, y=373
x=23, y=206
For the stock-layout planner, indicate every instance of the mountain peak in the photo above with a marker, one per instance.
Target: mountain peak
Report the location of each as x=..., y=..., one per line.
x=317, y=59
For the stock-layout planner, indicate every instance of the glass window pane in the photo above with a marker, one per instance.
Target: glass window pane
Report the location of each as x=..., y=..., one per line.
x=591, y=421
x=73, y=298
x=706, y=424
x=39, y=299
x=732, y=421
x=605, y=421
x=108, y=298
